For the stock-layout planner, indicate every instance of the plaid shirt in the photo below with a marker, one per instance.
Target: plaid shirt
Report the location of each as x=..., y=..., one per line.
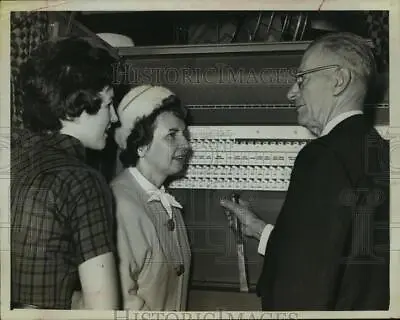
x=61, y=216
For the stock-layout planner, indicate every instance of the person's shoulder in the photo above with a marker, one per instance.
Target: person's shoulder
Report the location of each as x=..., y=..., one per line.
x=119, y=177
x=79, y=176
x=121, y=181
x=94, y=176
x=126, y=195
x=122, y=186
x=314, y=151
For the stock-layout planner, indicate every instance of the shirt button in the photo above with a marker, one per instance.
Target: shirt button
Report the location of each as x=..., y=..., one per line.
x=171, y=225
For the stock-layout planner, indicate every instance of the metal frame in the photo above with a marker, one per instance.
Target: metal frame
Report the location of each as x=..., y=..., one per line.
x=252, y=47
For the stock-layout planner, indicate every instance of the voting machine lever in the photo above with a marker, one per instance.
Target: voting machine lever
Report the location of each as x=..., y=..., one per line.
x=240, y=250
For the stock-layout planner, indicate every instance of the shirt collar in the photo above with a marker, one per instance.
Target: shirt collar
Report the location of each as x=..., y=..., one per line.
x=335, y=121
x=142, y=180
x=68, y=144
x=71, y=145
x=156, y=194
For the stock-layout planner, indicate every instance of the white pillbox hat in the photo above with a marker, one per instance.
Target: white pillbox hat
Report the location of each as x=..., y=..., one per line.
x=139, y=102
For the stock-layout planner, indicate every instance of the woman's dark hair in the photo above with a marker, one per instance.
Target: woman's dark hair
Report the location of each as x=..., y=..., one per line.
x=62, y=79
x=142, y=133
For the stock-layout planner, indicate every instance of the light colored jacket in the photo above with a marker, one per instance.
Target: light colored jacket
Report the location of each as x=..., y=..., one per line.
x=149, y=253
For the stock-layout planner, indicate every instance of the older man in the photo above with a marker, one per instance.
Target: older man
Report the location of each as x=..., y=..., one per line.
x=329, y=248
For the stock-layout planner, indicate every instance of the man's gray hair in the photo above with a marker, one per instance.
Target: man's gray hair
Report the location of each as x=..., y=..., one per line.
x=352, y=50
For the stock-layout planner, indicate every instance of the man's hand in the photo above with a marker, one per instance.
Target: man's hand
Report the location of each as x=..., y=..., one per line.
x=252, y=226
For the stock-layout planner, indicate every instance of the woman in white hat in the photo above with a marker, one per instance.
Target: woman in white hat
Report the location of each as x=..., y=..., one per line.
x=152, y=241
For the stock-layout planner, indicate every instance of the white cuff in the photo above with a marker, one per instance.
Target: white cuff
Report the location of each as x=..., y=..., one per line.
x=262, y=245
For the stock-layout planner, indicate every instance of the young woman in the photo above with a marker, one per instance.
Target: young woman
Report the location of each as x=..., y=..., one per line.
x=61, y=209
x=152, y=241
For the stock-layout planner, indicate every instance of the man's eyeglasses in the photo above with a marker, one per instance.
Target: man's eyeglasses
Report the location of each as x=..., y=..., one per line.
x=300, y=75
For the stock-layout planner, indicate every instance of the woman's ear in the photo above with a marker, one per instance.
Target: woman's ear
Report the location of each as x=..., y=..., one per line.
x=141, y=151
x=342, y=80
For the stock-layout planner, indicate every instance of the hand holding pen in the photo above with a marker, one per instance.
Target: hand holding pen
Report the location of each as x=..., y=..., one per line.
x=251, y=225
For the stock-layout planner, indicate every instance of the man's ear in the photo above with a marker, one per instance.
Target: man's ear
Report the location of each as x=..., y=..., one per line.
x=342, y=80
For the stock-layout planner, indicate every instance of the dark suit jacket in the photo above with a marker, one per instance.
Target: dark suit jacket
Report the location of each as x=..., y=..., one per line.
x=329, y=249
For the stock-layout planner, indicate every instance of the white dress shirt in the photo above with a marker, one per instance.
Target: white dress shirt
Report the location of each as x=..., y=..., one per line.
x=143, y=182
x=262, y=245
x=166, y=199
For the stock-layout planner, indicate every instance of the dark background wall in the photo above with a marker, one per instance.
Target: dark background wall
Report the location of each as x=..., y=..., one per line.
x=186, y=27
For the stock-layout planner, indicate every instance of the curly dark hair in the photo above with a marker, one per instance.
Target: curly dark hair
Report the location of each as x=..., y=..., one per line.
x=62, y=79
x=142, y=133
